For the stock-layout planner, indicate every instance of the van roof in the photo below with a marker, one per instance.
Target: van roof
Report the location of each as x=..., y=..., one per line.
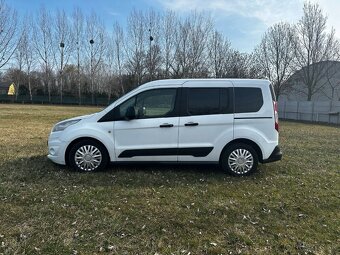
x=182, y=81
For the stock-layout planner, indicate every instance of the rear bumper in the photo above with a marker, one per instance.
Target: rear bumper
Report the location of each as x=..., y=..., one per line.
x=275, y=156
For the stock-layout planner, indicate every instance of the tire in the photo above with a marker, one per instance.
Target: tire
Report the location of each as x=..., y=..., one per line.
x=88, y=156
x=239, y=159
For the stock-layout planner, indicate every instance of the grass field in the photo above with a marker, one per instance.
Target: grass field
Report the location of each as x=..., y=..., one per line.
x=288, y=207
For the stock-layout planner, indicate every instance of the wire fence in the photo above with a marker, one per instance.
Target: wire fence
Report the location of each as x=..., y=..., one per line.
x=313, y=111
x=66, y=100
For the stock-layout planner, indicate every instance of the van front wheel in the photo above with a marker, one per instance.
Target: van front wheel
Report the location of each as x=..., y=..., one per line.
x=88, y=156
x=239, y=159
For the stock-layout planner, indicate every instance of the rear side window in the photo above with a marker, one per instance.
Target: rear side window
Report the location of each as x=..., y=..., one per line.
x=248, y=100
x=207, y=101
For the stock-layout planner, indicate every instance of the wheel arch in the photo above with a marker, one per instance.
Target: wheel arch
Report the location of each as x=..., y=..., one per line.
x=67, y=151
x=249, y=142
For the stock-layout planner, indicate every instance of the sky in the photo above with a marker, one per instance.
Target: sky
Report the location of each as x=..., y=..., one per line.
x=243, y=22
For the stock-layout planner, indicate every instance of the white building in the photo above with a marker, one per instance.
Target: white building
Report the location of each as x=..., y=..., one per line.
x=327, y=88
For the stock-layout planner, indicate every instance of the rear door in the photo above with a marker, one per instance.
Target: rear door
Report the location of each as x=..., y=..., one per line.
x=206, y=122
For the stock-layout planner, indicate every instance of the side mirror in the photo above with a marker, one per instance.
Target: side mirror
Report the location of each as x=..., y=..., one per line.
x=141, y=112
x=130, y=113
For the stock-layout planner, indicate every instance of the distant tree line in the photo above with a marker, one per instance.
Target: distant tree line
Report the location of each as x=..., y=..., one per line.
x=57, y=54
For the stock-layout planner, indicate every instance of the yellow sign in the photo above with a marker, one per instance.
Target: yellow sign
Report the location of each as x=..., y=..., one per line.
x=11, y=90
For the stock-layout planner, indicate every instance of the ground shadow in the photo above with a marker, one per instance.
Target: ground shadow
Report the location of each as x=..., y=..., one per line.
x=39, y=169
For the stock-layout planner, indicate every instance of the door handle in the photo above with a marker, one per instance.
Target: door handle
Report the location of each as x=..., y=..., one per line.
x=166, y=125
x=191, y=124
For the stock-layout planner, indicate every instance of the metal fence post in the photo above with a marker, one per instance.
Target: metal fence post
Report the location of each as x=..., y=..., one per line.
x=330, y=110
x=284, y=109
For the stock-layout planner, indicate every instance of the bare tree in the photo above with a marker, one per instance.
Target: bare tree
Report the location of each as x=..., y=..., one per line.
x=26, y=47
x=200, y=31
x=153, y=62
x=155, y=45
x=314, y=45
x=153, y=59
x=169, y=26
x=104, y=76
x=241, y=65
x=63, y=41
x=19, y=58
x=107, y=68
x=275, y=55
x=136, y=45
x=255, y=70
x=219, y=54
x=8, y=32
x=42, y=39
x=118, y=46
x=180, y=63
x=70, y=78
x=78, y=33
x=191, y=46
x=95, y=47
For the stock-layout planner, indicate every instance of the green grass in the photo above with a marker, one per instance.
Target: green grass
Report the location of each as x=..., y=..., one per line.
x=288, y=207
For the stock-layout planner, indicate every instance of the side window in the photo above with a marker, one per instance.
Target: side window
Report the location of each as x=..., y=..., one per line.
x=248, y=100
x=207, y=101
x=154, y=103
x=118, y=112
x=121, y=110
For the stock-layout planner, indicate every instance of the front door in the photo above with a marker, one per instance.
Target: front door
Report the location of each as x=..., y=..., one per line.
x=153, y=134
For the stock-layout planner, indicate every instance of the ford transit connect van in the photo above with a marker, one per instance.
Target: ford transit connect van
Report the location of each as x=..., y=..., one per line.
x=231, y=122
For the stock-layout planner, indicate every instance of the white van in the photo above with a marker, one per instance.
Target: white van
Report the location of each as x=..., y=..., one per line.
x=231, y=122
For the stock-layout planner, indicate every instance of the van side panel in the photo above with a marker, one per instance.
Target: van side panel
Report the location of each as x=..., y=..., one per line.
x=259, y=126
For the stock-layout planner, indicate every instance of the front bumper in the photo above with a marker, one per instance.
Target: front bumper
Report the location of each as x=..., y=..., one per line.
x=56, y=150
x=275, y=156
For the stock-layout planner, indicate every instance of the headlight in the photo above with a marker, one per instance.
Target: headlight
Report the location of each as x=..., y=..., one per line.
x=62, y=125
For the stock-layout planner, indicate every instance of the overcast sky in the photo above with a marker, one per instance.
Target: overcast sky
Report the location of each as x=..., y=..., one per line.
x=242, y=21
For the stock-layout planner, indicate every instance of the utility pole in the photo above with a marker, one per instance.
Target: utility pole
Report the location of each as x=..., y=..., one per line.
x=62, y=45
x=150, y=55
x=78, y=73
x=92, y=86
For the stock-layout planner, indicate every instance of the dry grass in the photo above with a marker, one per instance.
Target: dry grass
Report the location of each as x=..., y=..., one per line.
x=289, y=207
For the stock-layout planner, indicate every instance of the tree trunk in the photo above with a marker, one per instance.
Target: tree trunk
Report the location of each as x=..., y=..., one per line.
x=29, y=87
x=78, y=80
x=309, y=95
x=49, y=91
x=17, y=91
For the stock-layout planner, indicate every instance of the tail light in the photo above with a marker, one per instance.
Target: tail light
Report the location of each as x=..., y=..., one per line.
x=276, y=116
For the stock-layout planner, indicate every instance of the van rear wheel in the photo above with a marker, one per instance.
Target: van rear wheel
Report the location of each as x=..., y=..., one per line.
x=239, y=159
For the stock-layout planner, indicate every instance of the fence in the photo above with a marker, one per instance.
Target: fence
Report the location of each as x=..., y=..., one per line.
x=102, y=101
x=318, y=111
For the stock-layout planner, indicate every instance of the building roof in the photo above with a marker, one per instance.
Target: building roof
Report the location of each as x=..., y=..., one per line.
x=330, y=65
